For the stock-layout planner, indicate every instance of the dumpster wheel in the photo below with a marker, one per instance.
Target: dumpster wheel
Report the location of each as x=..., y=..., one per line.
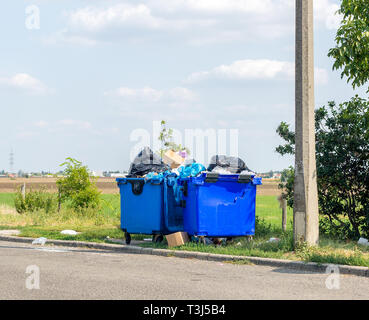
x=127, y=236
x=157, y=238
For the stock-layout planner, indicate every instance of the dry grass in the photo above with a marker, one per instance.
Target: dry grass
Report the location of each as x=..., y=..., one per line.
x=64, y=219
x=6, y=210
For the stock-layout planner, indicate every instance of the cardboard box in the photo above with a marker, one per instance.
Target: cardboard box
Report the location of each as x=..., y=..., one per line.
x=173, y=159
x=177, y=239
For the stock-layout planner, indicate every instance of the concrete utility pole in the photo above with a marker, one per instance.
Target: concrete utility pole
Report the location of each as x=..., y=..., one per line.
x=305, y=212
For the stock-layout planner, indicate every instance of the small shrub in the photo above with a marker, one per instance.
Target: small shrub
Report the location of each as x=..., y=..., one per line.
x=77, y=187
x=262, y=228
x=34, y=201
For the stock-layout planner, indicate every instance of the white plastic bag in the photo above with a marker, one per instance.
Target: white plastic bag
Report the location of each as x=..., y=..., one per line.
x=69, y=232
x=41, y=241
x=363, y=242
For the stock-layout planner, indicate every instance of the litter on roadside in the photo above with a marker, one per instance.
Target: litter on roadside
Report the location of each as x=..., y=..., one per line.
x=41, y=241
x=69, y=232
x=363, y=242
x=274, y=240
x=177, y=239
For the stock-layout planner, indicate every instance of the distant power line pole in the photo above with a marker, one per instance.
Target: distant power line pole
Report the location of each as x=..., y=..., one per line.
x=306, y=212
x=11, y=161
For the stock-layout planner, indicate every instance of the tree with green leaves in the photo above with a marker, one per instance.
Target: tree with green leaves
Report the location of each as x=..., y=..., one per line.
x=351, y=53
x=167, y=143
x=342, y=156
x=77, y=187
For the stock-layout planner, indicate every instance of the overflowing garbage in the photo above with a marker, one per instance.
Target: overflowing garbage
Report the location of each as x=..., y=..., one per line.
x=227, y=165
x=175, y=191
x=145, y=162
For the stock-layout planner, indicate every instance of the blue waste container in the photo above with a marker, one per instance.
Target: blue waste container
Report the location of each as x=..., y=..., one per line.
x=148, y=207
x=217, y=205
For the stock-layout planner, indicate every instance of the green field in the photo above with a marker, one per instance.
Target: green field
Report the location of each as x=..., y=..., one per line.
x=97, y=225
x=7, y=199
x=267, y=207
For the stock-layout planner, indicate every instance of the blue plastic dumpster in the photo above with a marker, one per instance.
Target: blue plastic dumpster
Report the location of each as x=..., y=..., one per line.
x=219, y=205
x=148, y=207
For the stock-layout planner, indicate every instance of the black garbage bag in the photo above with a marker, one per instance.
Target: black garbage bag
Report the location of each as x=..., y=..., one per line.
x=231, y=164
x=146, y=161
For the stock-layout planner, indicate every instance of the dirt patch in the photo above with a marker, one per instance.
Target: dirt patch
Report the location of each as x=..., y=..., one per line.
x=105, y=185
x=270, y=189
x=8, y=233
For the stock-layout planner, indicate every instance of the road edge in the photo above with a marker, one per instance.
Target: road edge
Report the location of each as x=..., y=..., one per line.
x=279, y=263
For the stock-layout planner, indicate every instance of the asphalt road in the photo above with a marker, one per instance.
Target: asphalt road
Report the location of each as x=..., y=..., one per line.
x=67, y=273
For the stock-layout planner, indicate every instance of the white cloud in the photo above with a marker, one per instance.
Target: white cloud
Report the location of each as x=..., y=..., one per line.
x=64, y=37
x=25, y=134
x=78, y=124
x=146, y=93
x=260, y=69
x=247, y=69
x=325, y=12
x=217, y=6
x=94, y=18
x=41, y=124
x=62, y=124
x=182, y=94
x=321, y=76
x=25, y=82
x=152, y=95
x=198, y=22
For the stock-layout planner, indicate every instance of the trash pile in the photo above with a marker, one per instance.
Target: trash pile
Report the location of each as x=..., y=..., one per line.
x=174, y=167
x=228, y=165
x=146, y=162
x=147, y=165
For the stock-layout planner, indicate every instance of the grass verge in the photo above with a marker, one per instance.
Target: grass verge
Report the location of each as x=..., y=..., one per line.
x=97, y=225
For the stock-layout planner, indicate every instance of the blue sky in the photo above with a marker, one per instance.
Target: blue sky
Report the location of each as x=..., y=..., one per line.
x=94, y=71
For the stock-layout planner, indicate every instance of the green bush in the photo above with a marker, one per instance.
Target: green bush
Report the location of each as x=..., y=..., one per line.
x=341, y=230
x=342, y=160
x=262, y=228
x=34, y=201
x=77, y=187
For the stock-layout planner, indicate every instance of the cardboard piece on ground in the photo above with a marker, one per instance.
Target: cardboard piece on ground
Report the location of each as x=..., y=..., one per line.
x=177, y=239
x=173, y=159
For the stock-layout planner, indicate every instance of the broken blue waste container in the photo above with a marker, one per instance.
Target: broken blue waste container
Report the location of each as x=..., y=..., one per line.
x=148, y=207
x=217, y=205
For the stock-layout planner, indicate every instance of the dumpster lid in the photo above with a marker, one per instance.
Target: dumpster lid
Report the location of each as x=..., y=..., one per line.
x=212, y=177
x=152, y=180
